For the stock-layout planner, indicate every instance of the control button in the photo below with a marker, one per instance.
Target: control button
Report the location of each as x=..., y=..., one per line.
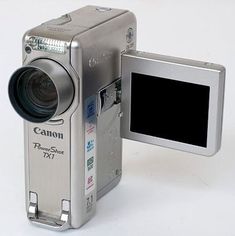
x=103, y=9
x=61, y=20
x=55, y=122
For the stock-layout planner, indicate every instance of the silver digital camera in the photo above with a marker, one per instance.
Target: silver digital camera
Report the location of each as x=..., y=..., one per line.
x=82, y=88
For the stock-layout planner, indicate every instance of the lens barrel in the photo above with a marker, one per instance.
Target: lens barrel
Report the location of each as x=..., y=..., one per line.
x=40, y=91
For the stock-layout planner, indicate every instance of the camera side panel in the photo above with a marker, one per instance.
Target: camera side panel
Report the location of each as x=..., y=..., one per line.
x=96, y=58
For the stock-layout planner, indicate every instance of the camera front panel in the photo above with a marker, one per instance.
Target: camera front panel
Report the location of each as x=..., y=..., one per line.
x=88, y=42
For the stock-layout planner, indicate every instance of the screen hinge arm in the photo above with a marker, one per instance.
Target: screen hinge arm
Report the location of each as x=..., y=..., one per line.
x=109, y=96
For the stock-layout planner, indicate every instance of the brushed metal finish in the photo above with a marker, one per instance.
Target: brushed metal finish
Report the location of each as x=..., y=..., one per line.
x=95, y=41
x=98, y=63
x=49, y=175
x=109, y=149
x=179, y=69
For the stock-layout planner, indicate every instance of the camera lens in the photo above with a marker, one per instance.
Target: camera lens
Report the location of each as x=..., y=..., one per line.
x=40, y=94
x=37, y=89
x=35, y=94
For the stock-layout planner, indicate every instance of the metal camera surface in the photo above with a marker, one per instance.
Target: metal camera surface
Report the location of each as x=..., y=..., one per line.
x=82, y=88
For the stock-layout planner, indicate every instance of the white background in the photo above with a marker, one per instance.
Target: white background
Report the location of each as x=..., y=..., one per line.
x=162, y=192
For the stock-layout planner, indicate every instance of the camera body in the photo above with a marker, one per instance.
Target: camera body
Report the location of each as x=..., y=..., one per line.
x=82, y=88
x=75, y=158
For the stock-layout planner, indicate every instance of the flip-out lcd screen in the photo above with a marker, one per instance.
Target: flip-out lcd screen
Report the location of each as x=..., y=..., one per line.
x=169, y=109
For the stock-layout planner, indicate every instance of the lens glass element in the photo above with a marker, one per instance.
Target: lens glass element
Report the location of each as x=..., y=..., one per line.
x=36, y=93
x=40, y=89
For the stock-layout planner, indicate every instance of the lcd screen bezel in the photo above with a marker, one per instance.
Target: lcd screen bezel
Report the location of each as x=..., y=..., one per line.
x=178, y=69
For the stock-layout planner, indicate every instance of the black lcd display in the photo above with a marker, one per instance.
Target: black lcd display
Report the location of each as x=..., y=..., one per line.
x=169, y=109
